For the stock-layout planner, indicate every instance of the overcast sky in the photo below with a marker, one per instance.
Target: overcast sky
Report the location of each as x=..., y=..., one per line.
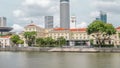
x=20, y=12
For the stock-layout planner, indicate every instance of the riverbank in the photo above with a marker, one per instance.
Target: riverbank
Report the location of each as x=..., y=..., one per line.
x=70, y=49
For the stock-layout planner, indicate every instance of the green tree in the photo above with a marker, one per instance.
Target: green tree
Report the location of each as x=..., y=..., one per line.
x=61, y=41
x=49, y=41
x=91, y=41
x=45, y=42
x=40, y=42
x=109, y=30
x=20, y=42
x=96, y=27
x=30, y=38
x=101, y=31
x=119, y=35
x=15, y=39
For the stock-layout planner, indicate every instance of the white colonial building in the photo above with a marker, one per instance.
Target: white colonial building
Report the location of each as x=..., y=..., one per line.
x=5, y=41
x=76, y=36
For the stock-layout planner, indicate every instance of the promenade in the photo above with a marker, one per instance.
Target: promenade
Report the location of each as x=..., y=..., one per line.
x=58, y=49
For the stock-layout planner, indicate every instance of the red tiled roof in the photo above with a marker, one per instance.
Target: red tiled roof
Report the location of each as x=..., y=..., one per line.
x=79, y=29
x=59, y=29
x=5, y=36
x=76, y=29
x=118, y=27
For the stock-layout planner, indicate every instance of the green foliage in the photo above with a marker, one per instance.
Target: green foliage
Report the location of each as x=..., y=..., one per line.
x=61, y=41
x=109, y=29
x=20, y=42
x=119, y=35
x=49, y=42
x=96, y=26
x=101, y=31
x=40, y=42
x=30, y=37
x=91, y=41
x=45, y=42
x=101, y=27
x=16, y=39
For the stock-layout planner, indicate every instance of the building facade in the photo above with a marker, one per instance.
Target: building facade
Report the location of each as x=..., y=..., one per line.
x=64, y=14
x=5, y=41
x=3, y=22
x=33, y=27
x=74, y=37
x=49, y=22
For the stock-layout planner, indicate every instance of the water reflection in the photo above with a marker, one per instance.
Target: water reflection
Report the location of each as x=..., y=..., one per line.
x=58, y=60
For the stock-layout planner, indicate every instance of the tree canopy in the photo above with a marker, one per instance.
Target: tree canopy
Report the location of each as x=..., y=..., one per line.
x=101, y=31
x=30, y=37
x=95, y=27
x=109, y=29
x=119, y=35
x=61, y=41
x=16, y=39
x=49, y=42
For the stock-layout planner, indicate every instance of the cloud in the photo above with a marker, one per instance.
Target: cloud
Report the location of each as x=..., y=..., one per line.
x=42, y=3
x=82, y=25
x=111, y=6
x=95, y=14
x=17, y=28
x=18, y=13
x=37, y=8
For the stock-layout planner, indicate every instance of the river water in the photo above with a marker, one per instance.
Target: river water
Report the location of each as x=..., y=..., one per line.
x=59, y=60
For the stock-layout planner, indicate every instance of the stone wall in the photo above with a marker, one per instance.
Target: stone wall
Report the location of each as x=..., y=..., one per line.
x=70, y=49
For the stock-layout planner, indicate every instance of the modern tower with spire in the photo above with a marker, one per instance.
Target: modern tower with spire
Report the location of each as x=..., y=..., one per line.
x=64, y=14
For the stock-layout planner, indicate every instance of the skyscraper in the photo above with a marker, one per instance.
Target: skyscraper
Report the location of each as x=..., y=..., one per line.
x=102, y=17
x=64, y=14
x=2, y=21
x=49, y=22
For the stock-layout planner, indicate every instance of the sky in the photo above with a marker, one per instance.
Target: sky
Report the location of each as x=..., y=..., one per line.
x=19, y=13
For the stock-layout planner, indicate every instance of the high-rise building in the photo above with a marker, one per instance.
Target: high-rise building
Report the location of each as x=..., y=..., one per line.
x=72, y=22
x=97, y=18
x=49, y=22
x=102, y=17
x=2, y=22
x=64, y=14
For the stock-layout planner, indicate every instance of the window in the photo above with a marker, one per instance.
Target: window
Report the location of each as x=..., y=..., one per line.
x=80, y=37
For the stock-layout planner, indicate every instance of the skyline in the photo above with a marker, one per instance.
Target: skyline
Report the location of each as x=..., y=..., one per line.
x=21, y=12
